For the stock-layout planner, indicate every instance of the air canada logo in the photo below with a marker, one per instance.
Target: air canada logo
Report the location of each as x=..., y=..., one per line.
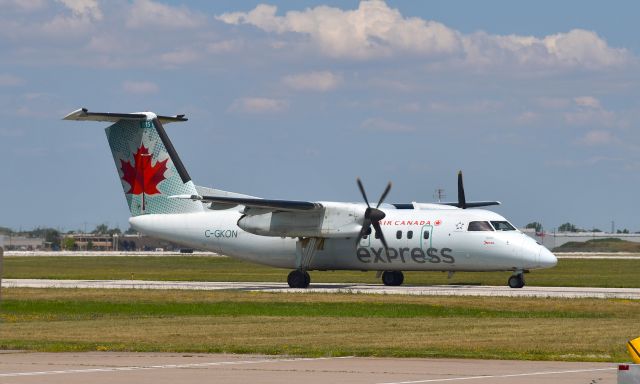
x=142, y=176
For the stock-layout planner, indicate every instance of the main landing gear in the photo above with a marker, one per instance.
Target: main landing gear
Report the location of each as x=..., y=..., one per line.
x=516, y=281
x=299, y=279
x=392, y=278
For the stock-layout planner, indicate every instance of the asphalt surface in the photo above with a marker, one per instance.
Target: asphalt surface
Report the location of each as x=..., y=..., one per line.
x=130, y=367
x=559, y=255
x=431, y=290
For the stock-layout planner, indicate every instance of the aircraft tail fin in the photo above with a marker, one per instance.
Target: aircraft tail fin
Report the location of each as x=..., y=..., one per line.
x=148, y=165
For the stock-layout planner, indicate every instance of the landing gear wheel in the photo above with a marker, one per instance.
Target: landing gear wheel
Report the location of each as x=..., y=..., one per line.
x=298, y=279
x=516, y=281
x=392, y=278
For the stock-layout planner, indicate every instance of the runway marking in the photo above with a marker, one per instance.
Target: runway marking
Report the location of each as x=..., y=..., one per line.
x=166, y=366
x=499, y=376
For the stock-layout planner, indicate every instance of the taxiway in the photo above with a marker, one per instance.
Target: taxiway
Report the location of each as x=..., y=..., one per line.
x=126, y=367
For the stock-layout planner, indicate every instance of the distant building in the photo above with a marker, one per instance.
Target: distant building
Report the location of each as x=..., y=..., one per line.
x=555, y=239
x=21, y=243
x=95, y=242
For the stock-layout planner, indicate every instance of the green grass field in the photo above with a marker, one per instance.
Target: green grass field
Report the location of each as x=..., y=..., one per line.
x=599, y=245
x=317, y=324
x=310, y=324
x=568, y=272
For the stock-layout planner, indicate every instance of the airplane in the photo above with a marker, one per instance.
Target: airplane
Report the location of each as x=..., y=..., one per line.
x=307, y=235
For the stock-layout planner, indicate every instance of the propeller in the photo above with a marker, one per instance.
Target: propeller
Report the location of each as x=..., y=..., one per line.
x=462, y=201
x=372, y=216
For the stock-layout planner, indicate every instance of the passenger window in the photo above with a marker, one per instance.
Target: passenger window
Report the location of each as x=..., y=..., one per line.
x=399, y=235
x=425, y=235
x=479, y=226
x=410, y=235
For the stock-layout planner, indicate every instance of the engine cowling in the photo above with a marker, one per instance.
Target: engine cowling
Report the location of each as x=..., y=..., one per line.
x=332, y=220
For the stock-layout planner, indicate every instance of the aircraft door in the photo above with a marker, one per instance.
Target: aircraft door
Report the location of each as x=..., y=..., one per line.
x=426, y=237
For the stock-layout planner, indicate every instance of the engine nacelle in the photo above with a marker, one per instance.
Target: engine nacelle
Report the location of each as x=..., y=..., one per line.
x=332, y=220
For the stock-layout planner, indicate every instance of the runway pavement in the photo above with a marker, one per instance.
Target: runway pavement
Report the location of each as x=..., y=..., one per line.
x=559, y=255
x=431, y=290
x=128, y=367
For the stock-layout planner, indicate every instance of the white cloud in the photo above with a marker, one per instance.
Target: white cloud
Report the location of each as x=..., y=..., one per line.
x=377, y=124
x=372, y=30
x=7, y=80
x=179, y=57
x=376, y=30
x=66, y=26
x=24, y=5
x=527, y=117
x=224, y=46
x=258, y=105
x=597, y=137
x=588, y=102
x=553, y=102
x=470, y=107
x=140, y=87
x=84, y=8
x=313, y=81
x=589, y=111
x=147, y=13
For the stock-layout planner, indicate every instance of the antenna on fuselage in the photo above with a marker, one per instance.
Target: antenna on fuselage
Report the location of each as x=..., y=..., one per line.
x=439, y=194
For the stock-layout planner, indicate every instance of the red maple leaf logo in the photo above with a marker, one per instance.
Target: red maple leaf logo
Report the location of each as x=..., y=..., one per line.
x=142, y=176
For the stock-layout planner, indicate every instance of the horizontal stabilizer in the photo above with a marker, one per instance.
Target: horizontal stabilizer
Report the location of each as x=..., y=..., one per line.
x=84, y=115
x=276, y=205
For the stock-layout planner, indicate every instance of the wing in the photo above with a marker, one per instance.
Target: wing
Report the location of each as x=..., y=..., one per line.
x=472, y=204
x=290, y=218
x=264, y=204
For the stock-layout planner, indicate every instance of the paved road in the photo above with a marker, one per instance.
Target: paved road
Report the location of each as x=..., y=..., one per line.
x=115, y=367
x=432, y=290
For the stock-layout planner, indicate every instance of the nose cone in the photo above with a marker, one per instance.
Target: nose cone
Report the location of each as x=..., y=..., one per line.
x=546, y=259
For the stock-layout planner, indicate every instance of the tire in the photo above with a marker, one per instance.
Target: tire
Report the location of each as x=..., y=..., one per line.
x=399, y=278
x=298, y=279
x=516, y=281
x=392, y=278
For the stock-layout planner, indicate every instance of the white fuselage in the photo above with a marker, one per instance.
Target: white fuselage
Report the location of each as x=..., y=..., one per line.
x=418, y=240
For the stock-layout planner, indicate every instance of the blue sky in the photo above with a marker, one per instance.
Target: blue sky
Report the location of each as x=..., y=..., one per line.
x=537, y=103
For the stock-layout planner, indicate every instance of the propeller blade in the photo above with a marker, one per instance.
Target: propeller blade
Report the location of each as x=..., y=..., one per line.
x=462, y=201
x=364, y=195
x=376, y=226
x=372, y=216
x=384, y=194
x=366, y=225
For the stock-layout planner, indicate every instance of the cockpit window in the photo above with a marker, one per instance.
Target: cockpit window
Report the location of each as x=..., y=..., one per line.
x=502, y=226
x=479, y=226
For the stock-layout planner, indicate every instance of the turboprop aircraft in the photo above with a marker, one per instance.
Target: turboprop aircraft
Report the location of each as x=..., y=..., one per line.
x=307, y=235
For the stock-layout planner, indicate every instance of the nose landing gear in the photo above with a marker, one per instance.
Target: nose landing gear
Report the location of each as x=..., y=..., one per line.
x=392, y=278
x=516, y=281
x=299, y=279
